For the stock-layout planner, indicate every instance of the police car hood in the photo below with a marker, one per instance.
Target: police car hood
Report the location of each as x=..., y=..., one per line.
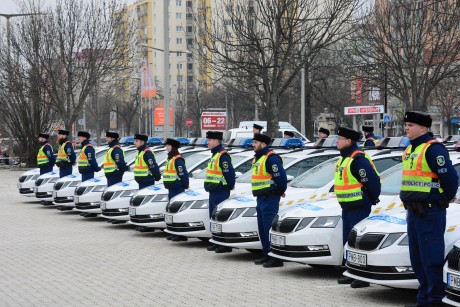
x=159, y=188
x=124, y=186
x=71, y=177
x=192, y=194
x=297, y=195
x=330, y=207
x=51, y=174
x=238, y=201
x=36, y=171
x=94, y=182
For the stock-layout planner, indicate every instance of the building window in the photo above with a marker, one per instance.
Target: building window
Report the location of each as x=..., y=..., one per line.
x=179, y=41
x=189, y=29
x=178, y=28
x=189, y=41
x=178, y=15
x=179, y=78
x=189, y=79
x=178, y=2
x=190, y=66
x=188, y=4
x=179, y=66
x=178, y=53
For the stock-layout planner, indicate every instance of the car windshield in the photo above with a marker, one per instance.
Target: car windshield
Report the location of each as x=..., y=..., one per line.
x=236, y=160
x=246, y=177
x=100, y=156
x=192, y=158
x=160, y=157
x=391, y=180
x=317, y=176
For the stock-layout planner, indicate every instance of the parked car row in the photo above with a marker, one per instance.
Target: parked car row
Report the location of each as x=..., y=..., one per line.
x=307, y=230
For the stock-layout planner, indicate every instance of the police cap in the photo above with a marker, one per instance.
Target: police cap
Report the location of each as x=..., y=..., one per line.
x=420, y=118
x=257, y=127
x=44, y=135
x=262, y=138
x=214, y=135
x=174, y=143
x=142, y=137
x=289, y=133
x=349, y=133
x=324, y=130
x=111, y=134
x=84, y=134
x=63, y=132
x=368, y=128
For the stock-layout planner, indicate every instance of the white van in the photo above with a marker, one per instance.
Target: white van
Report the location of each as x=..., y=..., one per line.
x=245, y=131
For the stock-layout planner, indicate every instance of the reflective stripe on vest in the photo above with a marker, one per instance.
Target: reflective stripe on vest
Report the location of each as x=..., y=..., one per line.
x=42, y=158
x=261, y=179
x=62, y=155
x=373, y=140
x=141, y=169
x=170, y=172
x=214, y=174
x=417, y=177
x=109, y=164
x=83, y=159
x=347, y=188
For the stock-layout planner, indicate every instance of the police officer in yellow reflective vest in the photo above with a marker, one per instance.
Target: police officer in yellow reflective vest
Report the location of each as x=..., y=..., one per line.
x=45, y=155
x=357, y=186
x=220, y=177
x=87, y=163
x=175, y=176
x=429, y=182
x=269, y=182
x=114, y=161
x=66, y=155
x=146, y=170
x=371, y=139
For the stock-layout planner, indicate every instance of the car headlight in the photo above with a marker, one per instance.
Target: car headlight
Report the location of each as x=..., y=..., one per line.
x=74, y=184
x=404, y=241
x=200, y=204
x=304, y=223
x=127, y=193
x=186, y=205
x=236, y=213
x=98, y=188
x=326, y=222
x=392, y=237
x=251, y=212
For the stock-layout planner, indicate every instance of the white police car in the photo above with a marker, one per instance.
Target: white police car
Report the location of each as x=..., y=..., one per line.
x=241, y=231
x=377, y=249
x=451, y=275
x=187, y=214
x=116, y=199
x=26, y=181
x=148, y=206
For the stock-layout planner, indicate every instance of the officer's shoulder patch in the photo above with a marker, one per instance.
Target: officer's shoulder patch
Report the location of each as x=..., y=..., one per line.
x=179, y=168
x=150, y=161
x=440, y=160
x=89, y=155
x=69, y=150
x=362, y=172
x=225, y=164
x=275, y=168
x=117, y=156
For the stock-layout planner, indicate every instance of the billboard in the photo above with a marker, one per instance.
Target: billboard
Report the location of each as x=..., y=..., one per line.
x=214, y=120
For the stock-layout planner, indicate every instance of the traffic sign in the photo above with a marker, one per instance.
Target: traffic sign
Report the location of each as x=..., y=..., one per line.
x=386, y=118
x=189, y=122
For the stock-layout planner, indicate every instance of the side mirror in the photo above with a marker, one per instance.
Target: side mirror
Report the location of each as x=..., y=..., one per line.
x=290, y=178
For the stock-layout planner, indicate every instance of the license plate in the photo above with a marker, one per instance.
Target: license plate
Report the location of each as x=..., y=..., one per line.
x=132, y=211
x=54, y=194
x=355, y=258
x=168, y=219
x=453, y=281
x=75, y=199
x=216, y=228
x=102, y=206
x=278, y=240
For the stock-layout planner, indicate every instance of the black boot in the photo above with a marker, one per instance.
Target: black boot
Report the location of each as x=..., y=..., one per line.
x=262, y=260
x=211, y=247
x=273, y=263
x=359, y=284
x=223, y=249
x=345, y=280
x=176, y=238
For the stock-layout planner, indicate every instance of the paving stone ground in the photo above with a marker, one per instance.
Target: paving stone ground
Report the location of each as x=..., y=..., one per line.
x=54, y=258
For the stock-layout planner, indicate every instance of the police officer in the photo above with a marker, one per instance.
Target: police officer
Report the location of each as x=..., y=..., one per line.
x=220, y=178
x=114, y=161
x=45, y=156
x=429, y=182
x=323, y=132
x=371, y=139
x=288, y=134
x=269, y=182
x=66, y=155
x=357, y=186
x=175, y=176
x=146, y=170
x=87, y=163
x=256, y=129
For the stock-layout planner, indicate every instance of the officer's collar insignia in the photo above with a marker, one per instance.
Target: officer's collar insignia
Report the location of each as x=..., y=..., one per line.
x=440, y=160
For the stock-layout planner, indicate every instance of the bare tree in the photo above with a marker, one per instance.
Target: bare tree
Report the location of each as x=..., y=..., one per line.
x=267, y=42
x=411, y=44
x=447, y=97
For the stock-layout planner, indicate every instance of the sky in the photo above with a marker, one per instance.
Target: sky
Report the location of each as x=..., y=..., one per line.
x=10, y=6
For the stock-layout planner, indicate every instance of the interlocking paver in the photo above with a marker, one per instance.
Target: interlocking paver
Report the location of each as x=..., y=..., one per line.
x=53, y=258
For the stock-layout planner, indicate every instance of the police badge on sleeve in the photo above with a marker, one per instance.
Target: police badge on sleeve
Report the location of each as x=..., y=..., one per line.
x=440, y=160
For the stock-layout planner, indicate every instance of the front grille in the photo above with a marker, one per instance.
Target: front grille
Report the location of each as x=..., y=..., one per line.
x=285, y=226
x=453, y=259
x=174, y=207
x=113, y=212
x=223, y=215
x=80, y=190
x=42, y=195
x=58, y=185
x=183, y=227
x=26, y=191
x=298, y=252
x=145, y=218
x=39, y=181
x=62, y=200
x=367, y=242
x=22, y=178
x=107, y=196
x=375, y=272
x=86, y=206
x=137, y=201
x=233, y=237
x=453, y=294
